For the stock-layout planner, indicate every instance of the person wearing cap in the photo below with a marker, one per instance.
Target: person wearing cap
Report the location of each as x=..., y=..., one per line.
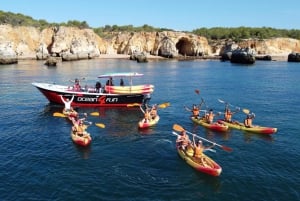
x=248, y=120
x=199, y=148
x=183, y=140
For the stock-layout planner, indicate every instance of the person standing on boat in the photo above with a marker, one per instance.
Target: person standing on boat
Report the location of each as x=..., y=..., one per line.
x=183, y=140
x=76, y=86
x=98, y=87
x=109, y=82
x=248, y=120
x=122, y=82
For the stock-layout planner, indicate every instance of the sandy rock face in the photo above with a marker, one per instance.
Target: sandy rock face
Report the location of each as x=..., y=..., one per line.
x=72, y=43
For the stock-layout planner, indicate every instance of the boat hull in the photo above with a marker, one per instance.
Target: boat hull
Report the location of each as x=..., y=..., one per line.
x=153, y=122
x=214, y=126
x=211, y=167
x=84, y=140
x=255, y=129
x=88, y=99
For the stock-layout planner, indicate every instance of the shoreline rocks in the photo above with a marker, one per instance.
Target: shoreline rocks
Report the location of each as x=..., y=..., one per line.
x=294, y=57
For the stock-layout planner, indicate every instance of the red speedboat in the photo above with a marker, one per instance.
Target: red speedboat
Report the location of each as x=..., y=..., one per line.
x=103, y=96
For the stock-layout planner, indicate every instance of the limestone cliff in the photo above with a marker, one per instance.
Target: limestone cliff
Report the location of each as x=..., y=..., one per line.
x=71, y=43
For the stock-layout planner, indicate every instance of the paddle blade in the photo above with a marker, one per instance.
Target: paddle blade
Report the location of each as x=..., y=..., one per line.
x=58, y=114
x=164, y=105
x=133, y=105
x=246, y=111
x=94, y=114
x=221, y=101
x=197, y=91
x=100, y=125
x=178, y=128
x=226, y=148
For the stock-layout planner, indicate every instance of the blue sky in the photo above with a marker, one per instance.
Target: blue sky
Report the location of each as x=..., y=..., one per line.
x=177, y=15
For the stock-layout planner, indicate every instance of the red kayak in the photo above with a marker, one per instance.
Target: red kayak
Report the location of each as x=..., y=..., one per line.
x=205, y=165
x=216, y=126
x=82, y=140
x=143, y=124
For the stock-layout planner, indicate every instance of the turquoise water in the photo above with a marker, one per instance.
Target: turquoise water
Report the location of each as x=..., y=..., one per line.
x=40, y=162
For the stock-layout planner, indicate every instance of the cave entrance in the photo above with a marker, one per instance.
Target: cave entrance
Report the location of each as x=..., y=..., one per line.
x=185, y=47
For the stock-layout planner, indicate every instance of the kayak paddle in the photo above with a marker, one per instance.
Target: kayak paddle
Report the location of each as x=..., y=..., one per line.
x=133, y=105
x=212, y=150
x=94, y=114
x=58, y=114
x=246, y=111
x=164, y=105
x=100, y=125
x=180, y=129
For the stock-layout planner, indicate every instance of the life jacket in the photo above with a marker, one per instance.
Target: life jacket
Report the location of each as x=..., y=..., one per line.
x=196, y=112
x=198, y=151
x=228, y=116
x=248, y=122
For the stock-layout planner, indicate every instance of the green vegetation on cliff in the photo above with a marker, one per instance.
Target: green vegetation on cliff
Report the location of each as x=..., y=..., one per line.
x=239, y=33
x=215, y=33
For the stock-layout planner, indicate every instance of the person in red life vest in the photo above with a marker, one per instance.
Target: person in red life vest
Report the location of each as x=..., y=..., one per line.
x=76, y=86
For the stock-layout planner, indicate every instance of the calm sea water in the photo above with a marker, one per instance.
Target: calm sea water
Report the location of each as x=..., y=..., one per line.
x=40, y=162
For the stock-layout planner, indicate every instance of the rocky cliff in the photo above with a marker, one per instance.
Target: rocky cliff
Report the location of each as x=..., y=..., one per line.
x=70, y=43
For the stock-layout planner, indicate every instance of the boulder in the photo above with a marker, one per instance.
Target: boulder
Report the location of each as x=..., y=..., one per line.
x=264, y=58
x=243, y=56
x=7, y=54
x=294, y=57
x=52, y=61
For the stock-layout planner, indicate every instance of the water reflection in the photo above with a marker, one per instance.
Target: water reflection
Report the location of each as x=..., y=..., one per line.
x=248, y=137
x=84, y=152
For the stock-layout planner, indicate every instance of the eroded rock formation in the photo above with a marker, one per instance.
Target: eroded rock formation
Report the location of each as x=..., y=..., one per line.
x=71, y=43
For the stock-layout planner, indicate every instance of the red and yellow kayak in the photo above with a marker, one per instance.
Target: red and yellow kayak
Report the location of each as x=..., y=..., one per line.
x=206, y=165
x=216, y=126
x=83, y=140
x=153, y=122
x=254, y=129
x=70, y=114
